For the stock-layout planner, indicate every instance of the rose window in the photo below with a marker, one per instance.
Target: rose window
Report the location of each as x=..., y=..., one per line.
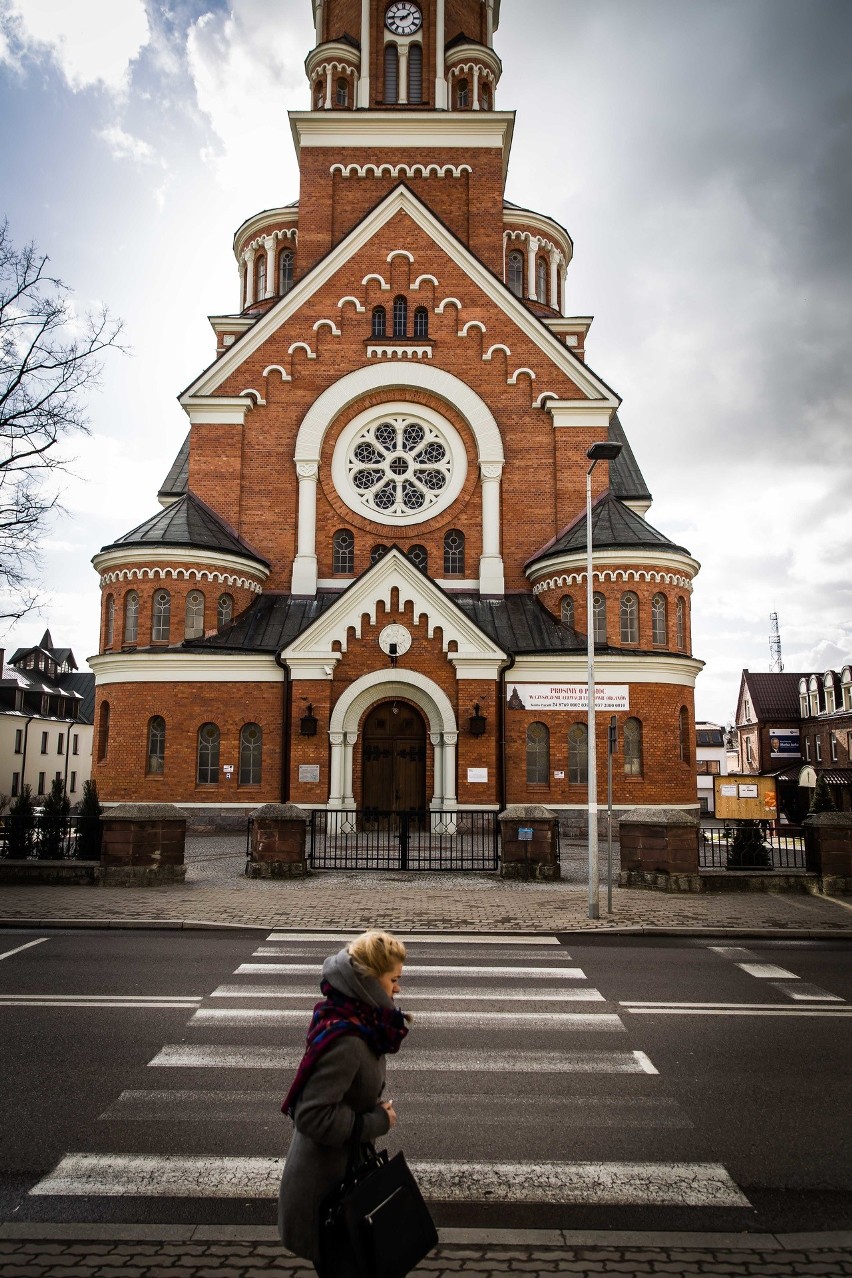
x=399, y=467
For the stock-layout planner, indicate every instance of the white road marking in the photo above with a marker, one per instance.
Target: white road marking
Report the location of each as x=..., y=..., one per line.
x=744, y=1010
x=571, y=994
x=731, y=951
x=446, y=938
x=236, y=1056
x=179, y=1176
x=767, y=971
x=20, y=948
x=298, y=1016
x=107, y=998
x=801, y=991
x=459, y=953
x=422, y=969
x=115, y=1004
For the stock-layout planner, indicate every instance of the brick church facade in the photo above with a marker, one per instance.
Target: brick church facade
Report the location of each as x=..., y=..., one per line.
x=365, y=587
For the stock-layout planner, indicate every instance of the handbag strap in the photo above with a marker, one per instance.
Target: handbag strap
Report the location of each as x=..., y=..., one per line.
x=355, y=1146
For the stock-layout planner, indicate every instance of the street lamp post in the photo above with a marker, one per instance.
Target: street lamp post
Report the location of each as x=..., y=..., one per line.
x=597, y=452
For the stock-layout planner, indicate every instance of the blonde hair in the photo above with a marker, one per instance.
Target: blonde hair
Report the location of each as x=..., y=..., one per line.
x=375, y=953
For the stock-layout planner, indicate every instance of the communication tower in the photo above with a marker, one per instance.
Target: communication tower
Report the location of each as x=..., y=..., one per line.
x=776, y=661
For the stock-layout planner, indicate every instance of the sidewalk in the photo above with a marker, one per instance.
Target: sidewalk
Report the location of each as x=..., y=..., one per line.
x=217, y=892
x=115, y=1251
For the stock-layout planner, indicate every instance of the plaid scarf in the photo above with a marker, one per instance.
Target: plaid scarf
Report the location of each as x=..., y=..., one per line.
x=383, y=1028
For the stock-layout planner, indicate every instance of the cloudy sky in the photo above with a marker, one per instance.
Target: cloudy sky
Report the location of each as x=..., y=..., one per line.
x=700, y=153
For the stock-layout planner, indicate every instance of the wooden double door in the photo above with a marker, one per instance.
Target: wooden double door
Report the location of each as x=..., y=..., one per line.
x=393, y=759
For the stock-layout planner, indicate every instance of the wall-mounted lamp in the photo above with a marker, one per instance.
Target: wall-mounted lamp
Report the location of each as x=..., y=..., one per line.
x=308, y=723
x=393, y=653
x=478, y=722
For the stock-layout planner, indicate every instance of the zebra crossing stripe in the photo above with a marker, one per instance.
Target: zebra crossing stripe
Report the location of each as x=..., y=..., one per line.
x=424, y=969
x=444, y=938
x=257, y=1177
x=767, y=971
x=570, y=994
x=237, y=1056
x=542, y=1020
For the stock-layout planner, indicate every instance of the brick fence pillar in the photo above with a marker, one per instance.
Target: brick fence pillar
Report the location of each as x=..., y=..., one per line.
x=529, y=840
x=143, y=843
x=828, y=848
x=278, y=838
x=657, y=841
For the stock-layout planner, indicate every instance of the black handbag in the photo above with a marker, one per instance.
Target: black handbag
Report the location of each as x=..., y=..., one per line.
x=376, y=1223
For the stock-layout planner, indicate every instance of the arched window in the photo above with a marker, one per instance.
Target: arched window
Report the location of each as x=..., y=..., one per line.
x=285, y=271
x=421, y=322
x=516, y=273
x=846, y=684
x=260, y=277
x=541, y=280
x=813, y=694
x=194, y=623
x=486, y=98
x=342, y=94
x=680, y=622
x=224, y=611
x=131, y=617
x=379, y=321
x=803, y=698
x=415, y=74
x=632, y=748
x=156, y=745
x=659, y=621
x=629, y=615
x=419, y=556
x=103, y=731
x=567, y=611
x=343, y=551
x=828, y=685
x=400, y=317
x=245, y=282
x=391, y=73
x=208, y=754
x=161, y=616
x=462, y=95
x=454, y=553
x=683, y=734
x=578, y=754
x=110, y=621
x=599, y=618
x=251, y=750
x=538, y=754
x=319, y=97
x=377, y=553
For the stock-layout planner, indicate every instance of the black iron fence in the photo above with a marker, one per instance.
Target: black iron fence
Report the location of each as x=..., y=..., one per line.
x=44, y=837
x=366, y=839
x=752, y=845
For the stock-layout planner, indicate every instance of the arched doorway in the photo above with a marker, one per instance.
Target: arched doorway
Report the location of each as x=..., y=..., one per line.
x=393, y=759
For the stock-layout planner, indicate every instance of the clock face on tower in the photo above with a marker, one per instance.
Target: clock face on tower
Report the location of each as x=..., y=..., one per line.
x=403, y=18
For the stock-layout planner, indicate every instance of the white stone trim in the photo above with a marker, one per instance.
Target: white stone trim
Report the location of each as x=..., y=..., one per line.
x=383, y=130
x=248, y=234
x=302, y=346
x=401, y=253
x=568, y=568
x=171, y=666
x=627, y=667
x=580, y=413
x=472, y=324
x=327, y=323
x=180, y=574
x=215, y=410
x=258, y=398
x=513, y=380
x=390, y=350
x=543, y=398
x=448, y=301
x=361, y=309
x=120, y=556
x=382, y=285
x=421, y=279
x=276, y=368
x=498, y=346
x=400, y=170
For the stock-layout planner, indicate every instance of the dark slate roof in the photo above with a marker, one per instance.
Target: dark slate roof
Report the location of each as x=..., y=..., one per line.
x=774, y=696
x=187, y=522
x=269, y=623
x=709, y=736
x=460, y=39
x=82, y=682
x=626, y=480
x=177, y=479
x=614, y=527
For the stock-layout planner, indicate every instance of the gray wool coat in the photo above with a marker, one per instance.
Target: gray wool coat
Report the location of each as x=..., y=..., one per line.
x=347, y=1080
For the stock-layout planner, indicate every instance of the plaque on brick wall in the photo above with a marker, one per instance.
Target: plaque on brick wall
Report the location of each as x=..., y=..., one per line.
x=309, y=772
x=477, y=775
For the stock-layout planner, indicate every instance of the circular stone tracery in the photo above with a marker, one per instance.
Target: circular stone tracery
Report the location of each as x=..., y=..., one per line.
x=399, y=466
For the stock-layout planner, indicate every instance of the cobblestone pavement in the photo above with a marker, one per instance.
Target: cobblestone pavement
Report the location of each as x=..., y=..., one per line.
x=191, y=1255
x=216, y=891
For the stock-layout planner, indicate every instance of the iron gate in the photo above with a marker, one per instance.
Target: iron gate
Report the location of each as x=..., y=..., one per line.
x=366, y=839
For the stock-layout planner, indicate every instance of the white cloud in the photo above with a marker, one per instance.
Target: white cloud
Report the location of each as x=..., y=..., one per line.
x=92, y=41
x=124, y=146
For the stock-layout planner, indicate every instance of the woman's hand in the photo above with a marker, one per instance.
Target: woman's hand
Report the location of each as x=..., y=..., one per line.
x=387, y=1106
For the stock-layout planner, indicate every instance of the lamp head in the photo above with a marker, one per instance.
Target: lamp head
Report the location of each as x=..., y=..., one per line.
x=604, y=451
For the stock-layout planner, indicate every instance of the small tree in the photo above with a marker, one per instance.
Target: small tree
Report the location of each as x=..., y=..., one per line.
x=746, y=851
x=822, y=800
x=89, y=823
x=21, y=825
x=54, y=821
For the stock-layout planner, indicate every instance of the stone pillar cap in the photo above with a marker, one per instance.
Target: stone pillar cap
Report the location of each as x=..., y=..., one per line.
x=143, y=812
x=280, y=812
x=527, y=812
x=658, y=816
x=829, y=818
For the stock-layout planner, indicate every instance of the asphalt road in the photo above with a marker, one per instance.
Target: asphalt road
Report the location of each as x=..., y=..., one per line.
x=583, y=1082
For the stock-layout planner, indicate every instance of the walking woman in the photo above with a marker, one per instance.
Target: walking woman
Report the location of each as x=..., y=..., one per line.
x=342, y=1075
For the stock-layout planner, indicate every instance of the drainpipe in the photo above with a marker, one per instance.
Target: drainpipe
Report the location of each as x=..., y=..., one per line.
x=286, y=717
x=501, y=713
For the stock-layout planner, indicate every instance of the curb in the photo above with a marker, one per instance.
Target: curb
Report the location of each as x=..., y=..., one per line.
x=37, y=1231
x=777, y=933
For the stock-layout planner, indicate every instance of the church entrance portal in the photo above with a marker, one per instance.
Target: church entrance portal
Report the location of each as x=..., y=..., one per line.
x=393, y=759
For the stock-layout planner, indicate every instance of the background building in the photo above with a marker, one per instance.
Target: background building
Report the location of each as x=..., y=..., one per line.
x=366, y=586
x=711, y=760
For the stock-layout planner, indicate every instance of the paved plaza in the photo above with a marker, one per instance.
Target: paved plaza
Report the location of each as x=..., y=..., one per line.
x=216, y=891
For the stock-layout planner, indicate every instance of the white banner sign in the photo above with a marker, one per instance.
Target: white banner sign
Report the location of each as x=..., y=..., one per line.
x=567, y=696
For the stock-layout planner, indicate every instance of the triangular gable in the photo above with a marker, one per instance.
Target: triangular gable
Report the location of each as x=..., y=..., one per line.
x=473, y=653
x=401, y=199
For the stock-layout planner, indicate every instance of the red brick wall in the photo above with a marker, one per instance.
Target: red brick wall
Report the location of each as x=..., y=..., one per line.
x=612, y=592
x=178, y=588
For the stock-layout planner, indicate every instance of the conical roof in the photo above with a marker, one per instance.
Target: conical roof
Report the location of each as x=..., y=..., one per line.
x=614, y=527
x=187, y=522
